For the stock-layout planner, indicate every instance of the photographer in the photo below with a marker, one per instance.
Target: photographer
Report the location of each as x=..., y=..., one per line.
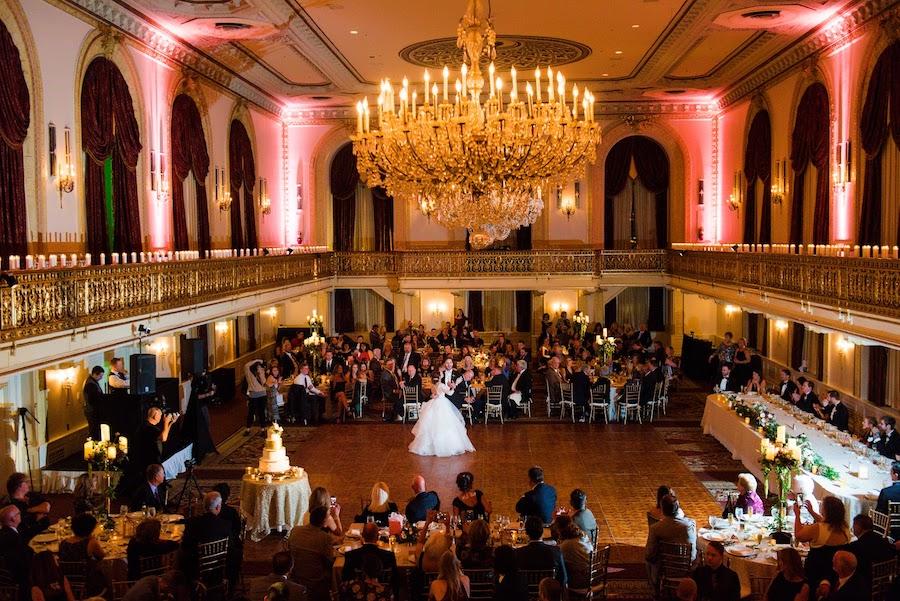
x=195, y=425
x=147, y=448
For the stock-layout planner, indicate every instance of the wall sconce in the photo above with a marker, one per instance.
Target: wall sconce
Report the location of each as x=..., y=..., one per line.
x=736, y=199
x=781, y=325
x=437, y=309
x=426, y=205
x=567, y=207
x=779, y=182
x=265, y=203
x=731, y=309
x=222, y=192
x=560, y=307
x=221, y=327
x=841, y=173
x=272, y=312
x=160, y=347
x=845, y=316
x=158, y=182
x=64, y=171
x=299, y=196
x=844, y=345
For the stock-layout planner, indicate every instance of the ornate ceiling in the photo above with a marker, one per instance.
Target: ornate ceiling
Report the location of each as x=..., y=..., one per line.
x=327, y=52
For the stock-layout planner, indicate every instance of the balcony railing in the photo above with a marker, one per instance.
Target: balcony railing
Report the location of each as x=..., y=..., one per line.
x=52, y=300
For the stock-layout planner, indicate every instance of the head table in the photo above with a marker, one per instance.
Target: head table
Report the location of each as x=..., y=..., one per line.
x=861, y=475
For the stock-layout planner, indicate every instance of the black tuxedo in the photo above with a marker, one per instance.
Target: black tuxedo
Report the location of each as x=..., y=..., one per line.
x=581, y=389
x=857, y=587
x=444, y=378
x=808, y=402
x=537, y=555
x=721, y=584
x=540, y=501
x=870, y=548
x=786, y=390
x=328, y=366
x=727, y=384
x=94, y=401
x=418, y=507
x=523, y=385
x=201, y=529
x=414, y=359
x=460, y=393
x=390, y=391
x=889, y=445
x=889, y=494
x=414, y=382
x=838, y=416
x=648, y=385
x=16, y=556
x=144, y=496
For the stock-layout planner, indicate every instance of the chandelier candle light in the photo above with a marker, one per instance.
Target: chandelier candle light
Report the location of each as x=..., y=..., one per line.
x=481, y=159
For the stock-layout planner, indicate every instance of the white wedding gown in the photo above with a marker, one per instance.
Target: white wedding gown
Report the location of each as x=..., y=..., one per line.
x=441, y=429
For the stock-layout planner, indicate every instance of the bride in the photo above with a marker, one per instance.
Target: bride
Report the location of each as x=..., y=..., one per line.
x=441, y=430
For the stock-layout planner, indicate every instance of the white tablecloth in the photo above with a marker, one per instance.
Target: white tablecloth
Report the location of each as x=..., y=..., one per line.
x=279, y=505
x=763, y=564
x=743, y=441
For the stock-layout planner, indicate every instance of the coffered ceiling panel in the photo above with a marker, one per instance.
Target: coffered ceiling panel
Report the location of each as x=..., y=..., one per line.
x=712, y=51
x=286, y=61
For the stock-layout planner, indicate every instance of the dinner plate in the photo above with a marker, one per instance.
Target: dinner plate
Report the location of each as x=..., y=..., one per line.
x=45, y=538
x=169, y=517
x=713, y=536
x=741, y=551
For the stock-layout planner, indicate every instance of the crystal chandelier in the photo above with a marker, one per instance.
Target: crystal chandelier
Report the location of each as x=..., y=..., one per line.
x=483, y=159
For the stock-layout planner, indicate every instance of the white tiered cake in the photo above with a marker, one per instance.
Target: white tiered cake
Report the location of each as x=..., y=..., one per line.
x=274, y=459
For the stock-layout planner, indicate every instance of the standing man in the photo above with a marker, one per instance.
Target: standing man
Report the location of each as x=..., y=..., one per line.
x=118, y=381
x=390, y=390
x=93, y=401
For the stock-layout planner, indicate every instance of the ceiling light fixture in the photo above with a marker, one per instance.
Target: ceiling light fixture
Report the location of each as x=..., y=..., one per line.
x=483, y=164
x=354, y=32
x=618, y=52
x=635, y=26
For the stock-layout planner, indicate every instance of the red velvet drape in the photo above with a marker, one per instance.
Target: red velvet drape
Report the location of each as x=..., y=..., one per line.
x=880, y=117
x=15, y=118
x=243, y=175
x=189, y=155
x=344, y=178
x=810, y=143
x=653, y=170
x=758, y=164
x=109, y=129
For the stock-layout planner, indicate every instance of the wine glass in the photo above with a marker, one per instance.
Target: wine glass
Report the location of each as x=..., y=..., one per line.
x=738, y=512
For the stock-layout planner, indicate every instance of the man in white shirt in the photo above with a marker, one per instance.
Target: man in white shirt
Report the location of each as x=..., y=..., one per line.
x=313, y=404
x=407, y=358
x=118, y=377
x=726, y=382
x=446, y=373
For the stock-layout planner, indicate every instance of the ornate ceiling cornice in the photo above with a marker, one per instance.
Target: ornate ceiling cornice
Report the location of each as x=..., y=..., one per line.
x=645, y=107
x=827, y=36
x=319, y=116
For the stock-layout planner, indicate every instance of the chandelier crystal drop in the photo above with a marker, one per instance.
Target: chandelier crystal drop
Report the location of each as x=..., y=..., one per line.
x=483, y=158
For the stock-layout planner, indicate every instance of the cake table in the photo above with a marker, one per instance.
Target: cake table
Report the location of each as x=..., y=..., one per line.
x=277, y=505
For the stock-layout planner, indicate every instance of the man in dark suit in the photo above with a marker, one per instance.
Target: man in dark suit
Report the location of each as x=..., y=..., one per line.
x=375, y=339
x=851, y=584
x=581, y=389
x=540, y=501
x=715, y=581
x=649, y=381
x=282, y=564
x=408, y=357
x=787, y=387
x=643, y=336
x=425, y=500
x=390, y=391
x=522, y=352
x=461, y=389
x=537, y=555
x=204, y=528
x=869, y=546
x=808, y=400
x=836, y=412
x=446, y=374
x=412, y=379
x=726, y=383
x=151, y=492
x=235, y=544
x=498, y=379
x=890, y=493
x=14, y=551
x=329, y=362
x=889, y=446
x=519, y=389
x=94, y=401
x=353, y=560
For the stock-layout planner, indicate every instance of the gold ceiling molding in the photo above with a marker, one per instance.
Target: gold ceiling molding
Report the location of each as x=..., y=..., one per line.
x=520, y=51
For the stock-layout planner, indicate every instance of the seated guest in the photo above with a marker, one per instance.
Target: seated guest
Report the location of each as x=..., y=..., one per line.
x=412, y=379
x=550, y=590
x=146, y=542
x=32, y=506
x=656, y=514
x=235, y=541
x=475, y=552
x=686, y=590
x=204, y=528
x=581, y=389
x=47, y=581
x=715, y=581
x=755, y=385
x=15, y=554
x=790, y=580
x=726, y=383
x=869, y=546
x=425, y=500
x=320, y=497
x=379, y=507
x=355, y=559
x=172, y=585
x=670, y=529
x=649, y=381
x=889, y=445
x=825, y=536
x=152, y=493
x=808, y=401
x=312, y=403
x=850, y=584
x=747, y=499
x=430, y=550
x=390, y=391
x=509, y=584
x=519, y=389
x=470, y=503
x=786, y=388
x=581, y=515
x=870, y=434
x=576, y=548
x=540, y=501
x=836, y=412
x=451, y=584
x=82, y=545
x=554, y=377
x=499, y=379
x=282, y=564
x=365, y=585
x=313, y=554
x=890, y=493
x=537, y=555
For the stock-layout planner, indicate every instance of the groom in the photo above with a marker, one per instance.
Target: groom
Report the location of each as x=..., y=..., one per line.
x=464, y=393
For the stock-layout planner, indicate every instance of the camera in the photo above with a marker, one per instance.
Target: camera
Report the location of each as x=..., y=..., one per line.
x=333, y=501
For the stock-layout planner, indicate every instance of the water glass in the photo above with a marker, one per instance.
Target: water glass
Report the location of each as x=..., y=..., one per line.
x=738, y=512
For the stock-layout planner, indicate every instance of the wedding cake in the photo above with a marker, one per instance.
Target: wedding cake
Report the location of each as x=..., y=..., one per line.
x=274, y=459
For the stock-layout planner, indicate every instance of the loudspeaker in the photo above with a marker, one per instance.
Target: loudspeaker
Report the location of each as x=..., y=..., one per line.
x=142, y=372
x=193, y=357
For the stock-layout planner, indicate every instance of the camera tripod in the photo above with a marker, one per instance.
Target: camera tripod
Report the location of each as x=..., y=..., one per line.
x=189, y=486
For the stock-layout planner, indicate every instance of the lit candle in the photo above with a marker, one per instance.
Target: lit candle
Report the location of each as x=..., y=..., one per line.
x=770, y=453
x=427, y=79
x=575, y=101
x=123, y=444
x=781, y=434
x=446, y=77
x=434, y=94
x=88, y=450
x=465, y=71
x=491, y=77
x=111, y=452
x=537, y=83
x=359, y=117
x=604, y=332
x=104, y=432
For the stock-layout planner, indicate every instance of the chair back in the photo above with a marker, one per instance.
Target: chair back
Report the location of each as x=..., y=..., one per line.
x=599, y=571
x=657, y=391
x=674, y=564
x=565, y=392
x=154, y=564
x=600, y=394
x=410, y=395
x=481, y=583
x=76, y=572
x=881, y=522
x=495, y=395
x=632, y=392
x=882, y=574
x=894, y=513
x=212, y=557
x=759, y=585
x=533, y=579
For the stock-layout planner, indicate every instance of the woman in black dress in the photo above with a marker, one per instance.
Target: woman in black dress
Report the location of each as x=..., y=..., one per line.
x=790, y=580
x=459, y=320
x=470, y=503
x=196, y=417
x=742, y=368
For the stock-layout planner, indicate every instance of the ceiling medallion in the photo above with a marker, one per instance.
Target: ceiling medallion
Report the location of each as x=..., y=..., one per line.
x=523, y=52
x=483, y=164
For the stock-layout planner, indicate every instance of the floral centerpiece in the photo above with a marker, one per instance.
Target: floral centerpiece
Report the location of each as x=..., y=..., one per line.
x=313, y=346
x=606, y=346
x=109, y=456
x=581, y=321
x=315, y=321
x=481, y=360
x=784, y=460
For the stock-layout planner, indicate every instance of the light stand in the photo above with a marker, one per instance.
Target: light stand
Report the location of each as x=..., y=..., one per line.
x=23, y=411
x=188, y=487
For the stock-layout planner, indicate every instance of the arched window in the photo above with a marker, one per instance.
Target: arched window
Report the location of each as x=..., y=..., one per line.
x=363, y=219
x=243, y=179
x=879, y=221
x=758, y=166
x=810, y=146
x=637, y=190
x=189, y=158
x=111, y=142
x=15, y=118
